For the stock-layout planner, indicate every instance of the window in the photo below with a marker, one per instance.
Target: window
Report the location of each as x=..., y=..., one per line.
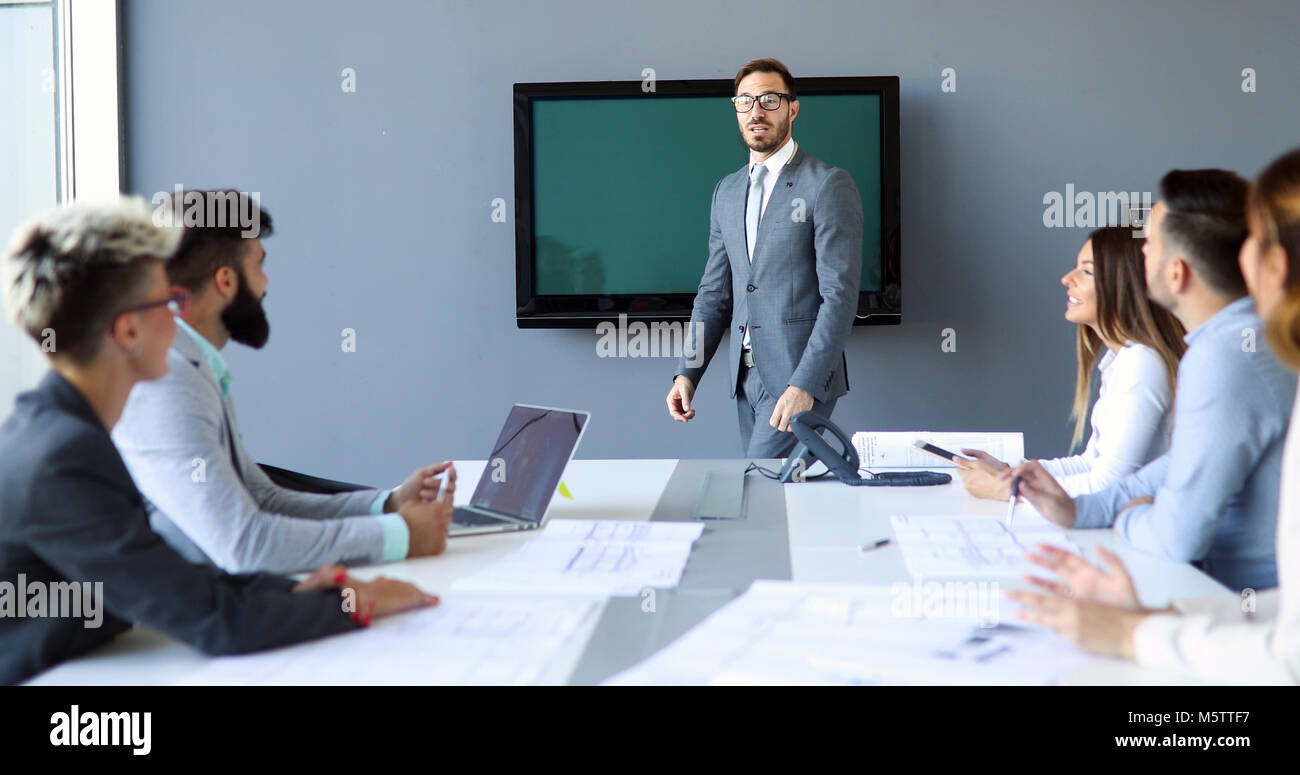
x=60, y=84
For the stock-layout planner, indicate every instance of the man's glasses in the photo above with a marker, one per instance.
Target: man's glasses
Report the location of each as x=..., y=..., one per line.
x=178, y=302
x=770, y=101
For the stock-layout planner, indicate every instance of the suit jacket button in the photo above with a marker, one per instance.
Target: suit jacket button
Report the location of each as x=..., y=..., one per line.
x=742, y=329
x=749, y=288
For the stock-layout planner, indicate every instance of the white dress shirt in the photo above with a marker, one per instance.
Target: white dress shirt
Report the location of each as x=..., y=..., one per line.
x=1215, y=638
x=774, y=163
x=1132, y=421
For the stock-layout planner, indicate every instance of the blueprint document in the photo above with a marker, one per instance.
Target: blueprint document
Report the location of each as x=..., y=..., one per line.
x=463, y=640
x=782, y=632
x=973, y=546
x=592, y=557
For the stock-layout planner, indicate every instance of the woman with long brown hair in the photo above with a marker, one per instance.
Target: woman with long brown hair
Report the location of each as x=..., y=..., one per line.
x=1134, y=344
x=1252, y=638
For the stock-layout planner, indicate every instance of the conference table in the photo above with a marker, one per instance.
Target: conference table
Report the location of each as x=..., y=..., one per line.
x=811, y=531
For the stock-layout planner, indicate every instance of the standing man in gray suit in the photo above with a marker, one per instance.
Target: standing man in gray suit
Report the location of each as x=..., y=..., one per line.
x=785, y=263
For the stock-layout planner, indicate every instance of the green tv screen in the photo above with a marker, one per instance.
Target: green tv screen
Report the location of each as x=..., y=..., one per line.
x=613, y=188
x=621, y=187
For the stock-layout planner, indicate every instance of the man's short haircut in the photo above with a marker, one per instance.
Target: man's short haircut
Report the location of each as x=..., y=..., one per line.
x=71, y=271
x=767, y=65
x=1205, y=219
x=210, y=245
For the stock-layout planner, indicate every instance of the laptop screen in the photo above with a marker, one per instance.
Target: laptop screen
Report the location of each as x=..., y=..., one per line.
x=528, y=460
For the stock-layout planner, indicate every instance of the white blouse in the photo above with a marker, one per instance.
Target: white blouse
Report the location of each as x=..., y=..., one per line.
x=1131, y=422
x=1214, y=638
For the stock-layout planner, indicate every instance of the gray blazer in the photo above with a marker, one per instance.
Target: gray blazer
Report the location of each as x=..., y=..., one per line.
x=799, y=297
x=211, y=501
x=69, y=514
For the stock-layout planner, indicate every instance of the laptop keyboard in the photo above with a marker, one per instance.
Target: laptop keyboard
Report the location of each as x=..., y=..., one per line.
x=469, y=518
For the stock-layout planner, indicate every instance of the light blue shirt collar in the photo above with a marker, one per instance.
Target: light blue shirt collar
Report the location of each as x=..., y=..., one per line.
x=213, y=356
x=1243, y=306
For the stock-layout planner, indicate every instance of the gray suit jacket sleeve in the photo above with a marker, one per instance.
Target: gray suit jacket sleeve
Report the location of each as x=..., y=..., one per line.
x=173, y=422
x=712, y=311
x=308, y=505
x=837, y=219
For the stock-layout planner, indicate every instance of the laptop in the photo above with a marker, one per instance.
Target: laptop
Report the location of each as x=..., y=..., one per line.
x=522, y=471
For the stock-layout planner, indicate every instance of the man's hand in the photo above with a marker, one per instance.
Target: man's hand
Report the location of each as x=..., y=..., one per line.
x=793, y=401
x=428, y=520
x=980, y=475
x=1044, y=492
x=1083, y=580
x=1095, y=627
x=422, y=485
x=679, y=399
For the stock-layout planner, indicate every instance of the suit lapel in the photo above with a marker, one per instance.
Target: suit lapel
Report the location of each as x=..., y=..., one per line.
x=736, y=218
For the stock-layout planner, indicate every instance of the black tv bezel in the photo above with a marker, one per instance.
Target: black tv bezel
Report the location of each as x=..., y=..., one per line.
x=883, y=307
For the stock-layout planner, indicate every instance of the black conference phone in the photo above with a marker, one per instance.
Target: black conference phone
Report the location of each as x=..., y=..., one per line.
x=842, y=462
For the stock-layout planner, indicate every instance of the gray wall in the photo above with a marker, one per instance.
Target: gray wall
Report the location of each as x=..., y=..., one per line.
x=381, y=197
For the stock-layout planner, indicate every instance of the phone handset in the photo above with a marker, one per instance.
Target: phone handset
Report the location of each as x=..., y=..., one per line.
x=807, y=428
x=842, y=462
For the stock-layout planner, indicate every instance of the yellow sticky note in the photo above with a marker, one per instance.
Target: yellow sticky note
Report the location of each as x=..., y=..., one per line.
x=564, y=490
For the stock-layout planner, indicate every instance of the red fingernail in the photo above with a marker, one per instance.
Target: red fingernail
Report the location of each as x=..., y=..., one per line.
x=340, y=577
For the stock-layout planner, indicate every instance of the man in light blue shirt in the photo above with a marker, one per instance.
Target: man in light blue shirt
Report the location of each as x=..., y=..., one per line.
x=180, y=439
x=1213, y=497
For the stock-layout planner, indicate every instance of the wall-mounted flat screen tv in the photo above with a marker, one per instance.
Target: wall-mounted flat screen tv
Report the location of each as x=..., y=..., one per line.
x=613, y=184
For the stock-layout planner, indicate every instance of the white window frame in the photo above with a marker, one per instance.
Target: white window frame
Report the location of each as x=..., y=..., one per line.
x=89, y=146
x=89, y=106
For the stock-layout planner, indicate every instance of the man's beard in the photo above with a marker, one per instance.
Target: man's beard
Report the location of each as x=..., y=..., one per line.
x=245, y=319
x=775, y=135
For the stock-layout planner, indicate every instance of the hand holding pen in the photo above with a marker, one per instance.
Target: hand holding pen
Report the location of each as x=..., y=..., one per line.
x=1011, y=506
x=1038, y=487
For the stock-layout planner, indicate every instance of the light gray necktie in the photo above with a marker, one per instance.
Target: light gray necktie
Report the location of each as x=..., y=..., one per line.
x=754, y=207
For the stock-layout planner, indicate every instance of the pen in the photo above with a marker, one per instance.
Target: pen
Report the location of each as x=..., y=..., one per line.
x=876, y=545
x=1015, y=493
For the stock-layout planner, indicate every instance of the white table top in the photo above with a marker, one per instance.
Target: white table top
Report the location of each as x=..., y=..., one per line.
x=828, y=522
